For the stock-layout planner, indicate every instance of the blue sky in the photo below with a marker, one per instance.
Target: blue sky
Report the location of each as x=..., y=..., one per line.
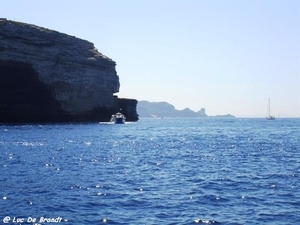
x=228, y=56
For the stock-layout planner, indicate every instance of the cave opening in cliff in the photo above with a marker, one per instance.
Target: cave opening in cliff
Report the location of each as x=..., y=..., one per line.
x=23, y=97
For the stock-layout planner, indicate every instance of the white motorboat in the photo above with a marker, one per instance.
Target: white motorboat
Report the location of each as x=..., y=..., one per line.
x=118, y=118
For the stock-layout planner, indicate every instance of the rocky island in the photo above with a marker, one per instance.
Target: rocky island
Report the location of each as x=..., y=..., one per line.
x=165, y=109
x=48, y=76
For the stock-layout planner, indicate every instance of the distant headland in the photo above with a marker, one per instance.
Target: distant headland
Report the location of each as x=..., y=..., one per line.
x=48, y=76
x=165, y=109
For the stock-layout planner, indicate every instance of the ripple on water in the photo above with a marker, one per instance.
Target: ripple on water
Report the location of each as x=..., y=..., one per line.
x=153, y=172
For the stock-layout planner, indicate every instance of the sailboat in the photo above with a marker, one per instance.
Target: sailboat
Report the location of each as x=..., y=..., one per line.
x=269, y=117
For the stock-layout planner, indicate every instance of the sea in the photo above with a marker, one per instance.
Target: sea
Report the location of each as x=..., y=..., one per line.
x=155, y=171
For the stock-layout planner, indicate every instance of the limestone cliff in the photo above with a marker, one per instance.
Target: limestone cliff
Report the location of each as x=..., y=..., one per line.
x=46, y=75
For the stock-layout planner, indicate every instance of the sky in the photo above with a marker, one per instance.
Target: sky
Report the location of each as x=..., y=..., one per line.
x=227, y=56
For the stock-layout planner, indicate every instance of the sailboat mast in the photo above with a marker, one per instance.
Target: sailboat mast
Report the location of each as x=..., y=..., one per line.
x=269, y=117
x=269, y=108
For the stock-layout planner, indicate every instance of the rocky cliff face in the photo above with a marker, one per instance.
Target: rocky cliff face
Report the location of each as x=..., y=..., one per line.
x=49, y=76
x=129, y=108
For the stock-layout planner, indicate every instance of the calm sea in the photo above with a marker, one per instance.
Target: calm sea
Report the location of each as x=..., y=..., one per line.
x=155, y=171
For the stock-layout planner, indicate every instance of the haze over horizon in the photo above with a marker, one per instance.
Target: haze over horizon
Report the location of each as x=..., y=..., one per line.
x=228, y=57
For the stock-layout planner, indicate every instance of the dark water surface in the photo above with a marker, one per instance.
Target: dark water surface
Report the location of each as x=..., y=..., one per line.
x=155, y=171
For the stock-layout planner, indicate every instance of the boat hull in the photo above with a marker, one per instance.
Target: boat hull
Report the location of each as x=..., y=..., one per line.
x=119, y=120
x=270, y=118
